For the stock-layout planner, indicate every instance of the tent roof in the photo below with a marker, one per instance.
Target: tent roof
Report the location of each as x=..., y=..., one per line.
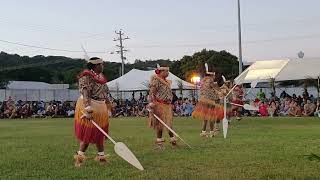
x=300, y=69
x=136, y=80
x=35, y=85
x=280, y=70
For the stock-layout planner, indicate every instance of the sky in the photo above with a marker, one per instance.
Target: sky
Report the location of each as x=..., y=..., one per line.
x=166, y=29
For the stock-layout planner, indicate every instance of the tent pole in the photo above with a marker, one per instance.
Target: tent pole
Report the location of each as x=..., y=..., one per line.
x=318, y=87
x=274, y=87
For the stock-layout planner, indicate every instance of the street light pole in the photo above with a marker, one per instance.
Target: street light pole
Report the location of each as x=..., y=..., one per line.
x=239, y=35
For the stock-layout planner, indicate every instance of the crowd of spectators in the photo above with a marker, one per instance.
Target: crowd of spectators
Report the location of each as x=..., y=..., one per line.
x=36, y=109
x=285, y=105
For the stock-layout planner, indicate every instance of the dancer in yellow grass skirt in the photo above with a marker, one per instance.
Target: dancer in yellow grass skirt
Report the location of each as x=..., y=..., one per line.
x=209, y=107
x=91, y=105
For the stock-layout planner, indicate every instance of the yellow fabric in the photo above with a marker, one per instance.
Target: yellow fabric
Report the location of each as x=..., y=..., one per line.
x=164, y=112
x=100, y=113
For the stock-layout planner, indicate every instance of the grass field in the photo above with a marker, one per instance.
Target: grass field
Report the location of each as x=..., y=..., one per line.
x=257, y=148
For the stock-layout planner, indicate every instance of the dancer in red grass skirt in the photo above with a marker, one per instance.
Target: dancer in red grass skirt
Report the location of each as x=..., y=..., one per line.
x=92, y=105
x=209, y=107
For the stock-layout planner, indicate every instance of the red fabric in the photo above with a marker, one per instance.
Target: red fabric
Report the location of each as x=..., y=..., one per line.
x=263, y=110
x=257, y=100
x=99, y=79
x=90, y=134
x=162, y=102
x=237, y=101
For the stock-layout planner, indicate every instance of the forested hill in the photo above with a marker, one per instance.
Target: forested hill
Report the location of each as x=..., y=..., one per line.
x=60, y=69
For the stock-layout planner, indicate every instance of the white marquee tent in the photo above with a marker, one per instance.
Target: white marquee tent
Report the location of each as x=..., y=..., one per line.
x=280, y=70
x=137, y=80
x=35, y=85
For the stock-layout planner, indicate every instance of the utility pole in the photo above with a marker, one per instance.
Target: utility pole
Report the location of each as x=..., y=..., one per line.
x=240, y=43
x=121, y=47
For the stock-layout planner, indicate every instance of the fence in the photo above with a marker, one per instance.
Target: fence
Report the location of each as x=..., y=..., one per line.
x=39, y=95
x=72, y=95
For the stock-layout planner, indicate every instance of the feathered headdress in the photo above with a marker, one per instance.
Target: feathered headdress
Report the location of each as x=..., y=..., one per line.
x=207, y=69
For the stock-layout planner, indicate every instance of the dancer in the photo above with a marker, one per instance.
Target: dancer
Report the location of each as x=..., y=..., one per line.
x=92, y=105
x=209, y=108
x=160, y=98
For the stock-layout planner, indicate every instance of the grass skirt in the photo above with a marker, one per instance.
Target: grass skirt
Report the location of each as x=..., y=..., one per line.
x=85, y=131
x=208, y=110
x=164, y=112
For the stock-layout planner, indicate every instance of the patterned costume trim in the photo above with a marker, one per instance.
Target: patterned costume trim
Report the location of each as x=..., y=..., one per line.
x=209, y=89
x=157, y=78
x=160, y=90
x=97, y=78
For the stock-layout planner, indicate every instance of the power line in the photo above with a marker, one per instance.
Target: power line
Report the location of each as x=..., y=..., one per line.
x=288, y=38
x=49, y=48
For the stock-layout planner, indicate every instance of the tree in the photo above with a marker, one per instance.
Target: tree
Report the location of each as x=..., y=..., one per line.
x=220, y=62
x=60, y=69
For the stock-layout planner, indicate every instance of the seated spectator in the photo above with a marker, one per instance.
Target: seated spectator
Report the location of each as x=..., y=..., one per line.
x=143, y=111
x=188, y=108
x=283, y=94
x=40, y=113
x=1, y=109
x=10, y=111
x=317, y=111
x=263, y=109
x=256, y=104
x=305, y=94
x=312, y=99
x=50, y=111
x=301, y=102
x=309, y=109
x=295, y=98
x=273, y=97
x=285, y=107
x=25, y=111
x=295, y=109
x=273, y=109
x=70, y=113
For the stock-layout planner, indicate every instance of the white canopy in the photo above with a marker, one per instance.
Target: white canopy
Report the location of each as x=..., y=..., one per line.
x=136, y=80
x=35, y=85
x=280, y=70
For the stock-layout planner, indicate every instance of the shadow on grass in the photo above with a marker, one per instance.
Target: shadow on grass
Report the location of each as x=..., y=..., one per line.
x=312, y=157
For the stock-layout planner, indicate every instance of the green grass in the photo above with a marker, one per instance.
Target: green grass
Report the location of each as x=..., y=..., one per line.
x=256, y=148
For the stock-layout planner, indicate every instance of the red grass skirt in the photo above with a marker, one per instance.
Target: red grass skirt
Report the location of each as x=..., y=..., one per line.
x=208, y=110
x=85, y=131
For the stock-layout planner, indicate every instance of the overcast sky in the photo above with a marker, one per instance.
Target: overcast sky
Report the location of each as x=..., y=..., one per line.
x=272, y=29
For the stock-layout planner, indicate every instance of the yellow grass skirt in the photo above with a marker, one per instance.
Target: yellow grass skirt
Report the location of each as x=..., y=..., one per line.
x=85, y=131
x=164, y=112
